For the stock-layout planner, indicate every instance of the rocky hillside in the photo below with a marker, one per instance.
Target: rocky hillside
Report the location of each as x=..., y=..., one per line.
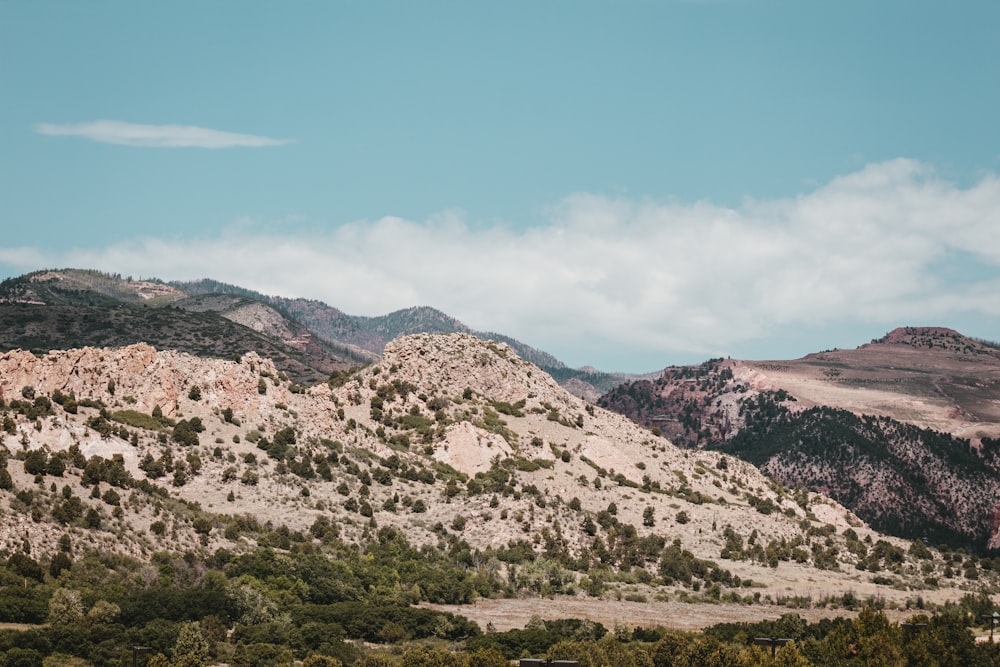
x=903, y=430
x=326, y=336
x=267, y=320
x=449, y=439
x=373, y=333
x=44, y=327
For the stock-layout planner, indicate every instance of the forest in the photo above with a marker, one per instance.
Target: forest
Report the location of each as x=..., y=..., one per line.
x=359, y=606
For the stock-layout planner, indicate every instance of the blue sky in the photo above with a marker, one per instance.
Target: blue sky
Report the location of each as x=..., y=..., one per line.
x=623, y=184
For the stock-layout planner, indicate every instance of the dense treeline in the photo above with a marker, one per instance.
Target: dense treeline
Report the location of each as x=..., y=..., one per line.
x=250, y=609
x=813, y=447
x=355, y=606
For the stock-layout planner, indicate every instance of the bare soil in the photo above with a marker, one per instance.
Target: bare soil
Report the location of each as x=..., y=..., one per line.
x=509, y=614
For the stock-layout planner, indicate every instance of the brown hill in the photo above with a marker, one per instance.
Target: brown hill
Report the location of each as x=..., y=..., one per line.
x=930, y=377
x=928, y=468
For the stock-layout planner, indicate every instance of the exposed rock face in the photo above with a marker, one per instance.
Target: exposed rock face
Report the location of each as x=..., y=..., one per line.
x=995, y=529
x=139, y=372
x=86, y=308
x=463, y=361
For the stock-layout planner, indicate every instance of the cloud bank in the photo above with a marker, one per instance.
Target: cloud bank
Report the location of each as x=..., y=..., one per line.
x=892, y=243
x=156, y=136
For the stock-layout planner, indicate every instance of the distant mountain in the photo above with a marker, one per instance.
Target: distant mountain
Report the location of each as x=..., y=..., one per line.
x=371, y=333
x=904, y=430
x=81, y=287
x=323, y=336
x=51, y=310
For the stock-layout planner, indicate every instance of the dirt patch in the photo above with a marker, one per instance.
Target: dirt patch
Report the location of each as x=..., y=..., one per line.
x=509, y=614
x=19, y=626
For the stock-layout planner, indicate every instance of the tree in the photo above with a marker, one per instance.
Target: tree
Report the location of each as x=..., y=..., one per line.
x=425, y=656
x=789, y=656
x=56, y=466
x=376, y=660
x=649, y=516
x=253, y=607
x=191, y=649
x=35, y=462
x=588, y=653
x=65, y=607
x=103, y=613
x=870, y=639
x=487, y=657
x=6, y=481
x=670, y=650
x=320, y=660
x=25, y=566
x=22, y=657
x=61, y=561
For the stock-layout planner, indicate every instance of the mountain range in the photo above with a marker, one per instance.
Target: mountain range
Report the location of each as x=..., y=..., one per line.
x=306, y=338
x=203, y=417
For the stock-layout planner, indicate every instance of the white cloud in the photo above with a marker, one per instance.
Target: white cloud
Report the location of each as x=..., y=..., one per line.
x=156, y=136
x=657, y=278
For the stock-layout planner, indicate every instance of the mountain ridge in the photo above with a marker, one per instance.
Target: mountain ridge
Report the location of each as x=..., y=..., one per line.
x=309, y=323
x=937, y=390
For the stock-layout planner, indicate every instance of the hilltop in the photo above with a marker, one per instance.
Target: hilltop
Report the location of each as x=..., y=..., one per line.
x=904, y=429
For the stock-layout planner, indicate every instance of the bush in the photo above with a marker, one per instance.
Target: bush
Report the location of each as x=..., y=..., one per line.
x=35, y=462
x=136, y=419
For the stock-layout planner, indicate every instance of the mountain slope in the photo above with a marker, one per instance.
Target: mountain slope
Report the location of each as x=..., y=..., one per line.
x=446, y=437
x=40, y=328
x=373, y=333
x=80, y=287
x=269, y=321
x=902, y=430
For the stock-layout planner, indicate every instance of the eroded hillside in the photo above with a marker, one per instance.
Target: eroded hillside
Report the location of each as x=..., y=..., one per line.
x=447, y=438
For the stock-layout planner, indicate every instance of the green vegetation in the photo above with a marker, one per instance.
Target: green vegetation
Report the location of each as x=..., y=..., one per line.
x=246, y=613
x=138, y=419
x=821, y=438
x=98, y=606
x=69, y=323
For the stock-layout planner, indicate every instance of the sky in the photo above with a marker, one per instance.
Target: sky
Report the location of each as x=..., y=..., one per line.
x=626, y=185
